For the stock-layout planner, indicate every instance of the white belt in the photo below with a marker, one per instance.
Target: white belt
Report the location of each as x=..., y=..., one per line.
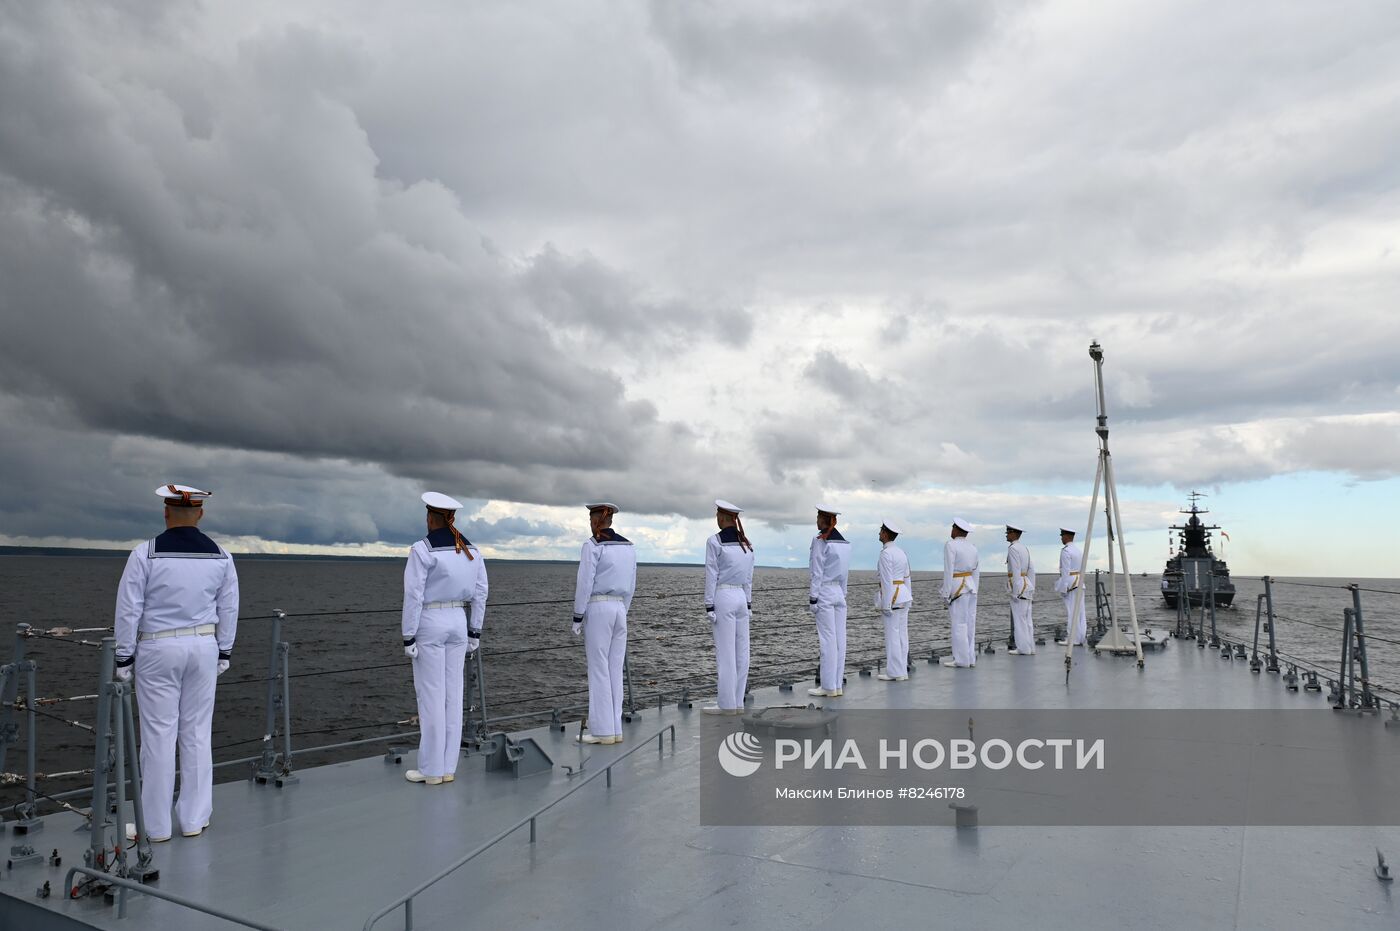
x=203, y=630
x=446, y=604
x=727, y=585
x=593, y=598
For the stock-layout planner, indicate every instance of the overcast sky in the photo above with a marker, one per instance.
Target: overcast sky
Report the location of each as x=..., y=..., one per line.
x=322, y=257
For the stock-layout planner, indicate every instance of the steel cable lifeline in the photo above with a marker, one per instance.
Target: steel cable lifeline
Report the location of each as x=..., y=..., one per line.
x=522, y=604
x=1343, y=588
x=1334, y=630
x=761, y=672
x=649, y=639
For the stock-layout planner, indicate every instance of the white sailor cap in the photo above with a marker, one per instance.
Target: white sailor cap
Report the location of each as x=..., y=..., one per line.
x=183, y=496
x=1068, y=531
x=440, y=501
x=891, y=526
x=1015, y=528
x=828, y=509
x=727, y=506
x=962, y=525
x=601, y=504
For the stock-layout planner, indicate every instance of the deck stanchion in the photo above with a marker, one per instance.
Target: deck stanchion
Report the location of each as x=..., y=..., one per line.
x=1345, y=674
x=269, y=768
x=1210, y=600
x=479, y=671
x=96, y=854
x=1255, y=663
x=627, y=682
x=10, y=673
x=1368, y=701
x=1272, y=664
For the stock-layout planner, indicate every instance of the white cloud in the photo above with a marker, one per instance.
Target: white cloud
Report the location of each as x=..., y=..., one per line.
x=330, y=254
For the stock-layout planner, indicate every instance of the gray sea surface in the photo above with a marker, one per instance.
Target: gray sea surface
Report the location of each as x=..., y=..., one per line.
x=350, y=678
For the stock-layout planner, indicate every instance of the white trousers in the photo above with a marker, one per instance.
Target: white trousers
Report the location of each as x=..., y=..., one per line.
x=437, y=679
x=175, y=694
x=1022, y=625
x=731, y=647
x=897, y=641
x=605, y=646
x=831, y=636
x=1075, y=627
x=962, y=615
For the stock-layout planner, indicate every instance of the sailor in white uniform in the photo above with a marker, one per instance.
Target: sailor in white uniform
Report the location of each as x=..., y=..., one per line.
x=829, y=563
x=1068, y=584
x=607, y=579
x=960, y=580
x=177, y=615
x=1020, y=589
x=894, y=599
x=444, y=608
x=728, y=604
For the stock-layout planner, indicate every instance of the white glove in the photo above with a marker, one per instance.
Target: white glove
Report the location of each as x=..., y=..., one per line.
x=223, y=666
x=473, y=645
x=812, y=607
x=578, y=628
x=711, y=616
x=123, y=673
x=410, y=650
x=886, y=612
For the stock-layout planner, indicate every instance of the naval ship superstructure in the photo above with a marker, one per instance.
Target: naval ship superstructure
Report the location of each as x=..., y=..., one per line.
x=1194, y=569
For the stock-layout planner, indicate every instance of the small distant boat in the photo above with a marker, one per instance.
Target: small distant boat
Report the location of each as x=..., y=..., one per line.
x=1194, y=564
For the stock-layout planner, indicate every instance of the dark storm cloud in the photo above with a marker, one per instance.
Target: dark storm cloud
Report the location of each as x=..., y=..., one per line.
x=205, y=254
x=327, y=255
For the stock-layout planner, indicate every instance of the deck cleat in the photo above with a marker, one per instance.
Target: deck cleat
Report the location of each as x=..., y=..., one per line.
x=1394, y=719
x=1290, y=678
x=1310, y=683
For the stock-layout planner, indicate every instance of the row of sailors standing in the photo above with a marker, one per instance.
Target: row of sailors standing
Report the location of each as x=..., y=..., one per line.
x=177, y=614
x=445, y=602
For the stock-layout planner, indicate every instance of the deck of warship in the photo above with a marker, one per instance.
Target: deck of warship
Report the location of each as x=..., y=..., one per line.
x=352, y=838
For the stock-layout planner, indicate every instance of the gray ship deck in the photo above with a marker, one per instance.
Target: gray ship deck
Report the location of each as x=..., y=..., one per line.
x=354, y=836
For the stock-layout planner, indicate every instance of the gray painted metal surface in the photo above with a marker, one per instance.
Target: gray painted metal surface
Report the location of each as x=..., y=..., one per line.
x=353, y=837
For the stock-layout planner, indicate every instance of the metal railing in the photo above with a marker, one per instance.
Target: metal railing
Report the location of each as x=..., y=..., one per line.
x=125, y=886
x=1350, y=688
x=406, y=901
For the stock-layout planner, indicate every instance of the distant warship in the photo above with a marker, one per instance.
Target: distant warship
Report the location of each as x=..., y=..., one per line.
x=1194, y=564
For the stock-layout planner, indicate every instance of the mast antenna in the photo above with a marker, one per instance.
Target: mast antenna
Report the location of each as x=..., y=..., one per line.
x=1113, y=641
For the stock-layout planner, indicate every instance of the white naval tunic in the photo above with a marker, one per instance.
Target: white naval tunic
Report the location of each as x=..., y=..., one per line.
x=894, y=599
x=607, y=579
x=177, y=581
x=829, y=563
x=1068, y=585
x=1020, y=589
x=960, y=580
x=437, y=574
x=728, y=594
